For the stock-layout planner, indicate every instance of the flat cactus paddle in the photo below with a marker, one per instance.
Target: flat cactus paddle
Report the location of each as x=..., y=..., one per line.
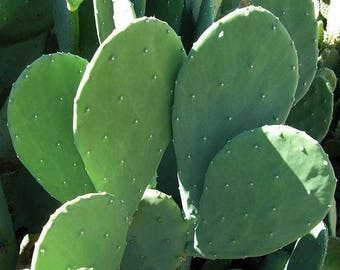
x=122, y=108
x=263, y=190
x=40, y=111
x=88, y=232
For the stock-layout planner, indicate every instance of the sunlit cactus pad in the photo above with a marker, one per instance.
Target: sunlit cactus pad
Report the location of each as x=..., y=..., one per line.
x=87, y=232
x=275, y=172
x=122, y=122
x=40, y=111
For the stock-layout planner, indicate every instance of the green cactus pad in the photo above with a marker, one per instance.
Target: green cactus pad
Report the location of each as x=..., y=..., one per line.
x=103, y=11
x=16, y=57
x=66, y=25
x=166, y=10
x=207, y=15
x=310, y=250
x=88, y=232
x=124, y=100
x=313, y=113
x=139, y=6
x=88, y=40
x=299, y=19
x=329, y=75
x=221, y=90
x=275, y=261
x=31, y=18
x=40, y=124
x=158, y=228
x=276, y=173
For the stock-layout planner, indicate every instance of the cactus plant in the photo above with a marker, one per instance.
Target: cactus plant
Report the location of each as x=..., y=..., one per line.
x=249, y=186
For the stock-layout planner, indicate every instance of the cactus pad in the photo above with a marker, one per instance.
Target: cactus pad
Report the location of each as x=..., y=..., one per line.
x=158, y=227
x=40, y=124
x=313, y=113
x=284, y=177
x=104, y=18
x=124, y=100
x=310, y=250
x=221, y=90
x=87, y=232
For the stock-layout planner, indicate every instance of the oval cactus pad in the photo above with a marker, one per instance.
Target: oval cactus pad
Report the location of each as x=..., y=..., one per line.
x=224, y=88
x=88, y=232
x=263, y=190
x=40, y=112
x=122, y=122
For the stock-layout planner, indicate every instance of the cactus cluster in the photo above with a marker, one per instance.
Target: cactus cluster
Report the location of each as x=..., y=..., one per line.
x=173, y=135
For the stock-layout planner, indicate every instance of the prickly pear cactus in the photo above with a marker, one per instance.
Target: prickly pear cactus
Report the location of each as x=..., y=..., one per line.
x=40, y=123
x=87, y=232
x=230, y=94
x=282, y=169
x=125, y=98
x=158, y=225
